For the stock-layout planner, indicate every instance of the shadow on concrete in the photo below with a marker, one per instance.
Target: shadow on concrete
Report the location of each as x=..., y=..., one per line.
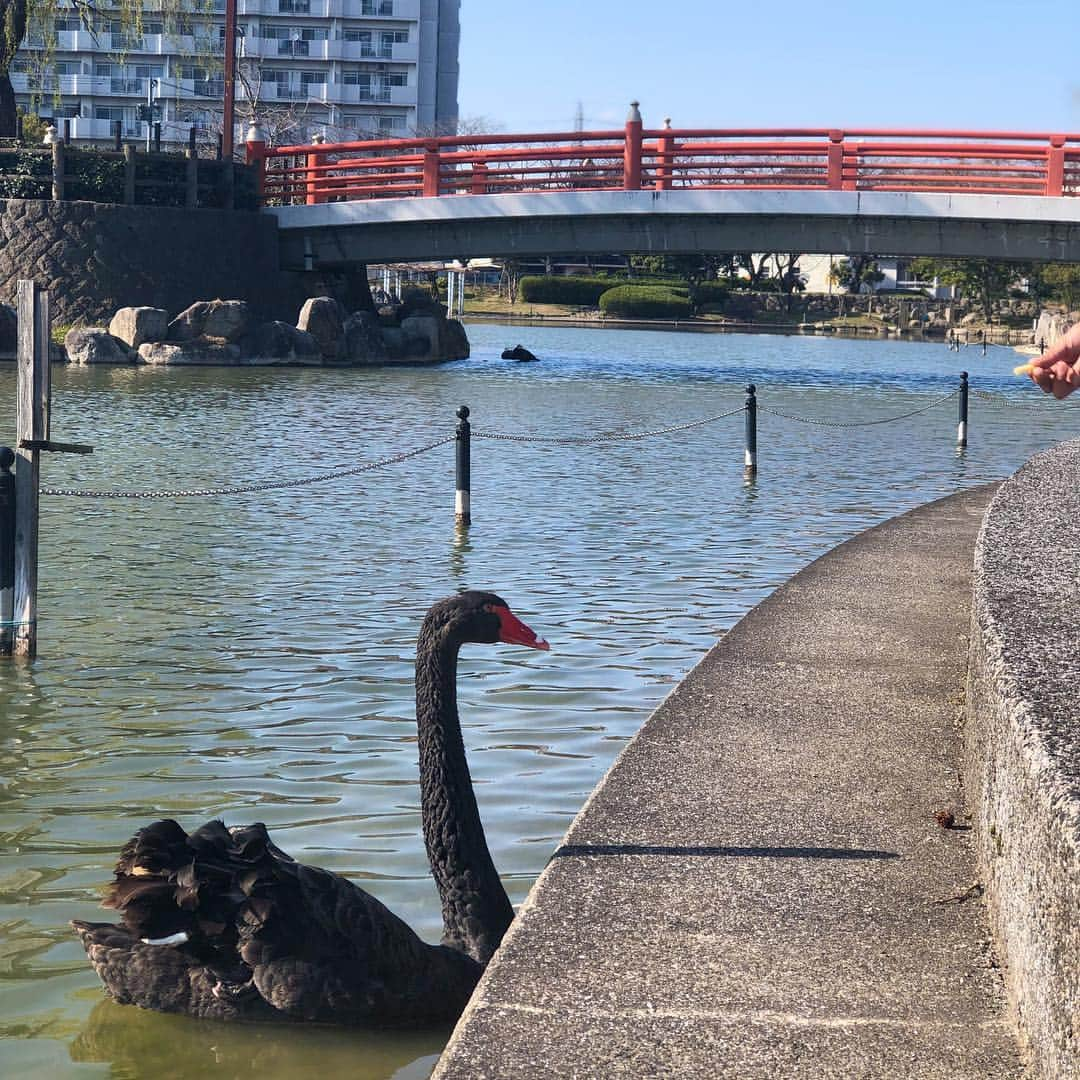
x=725, y=852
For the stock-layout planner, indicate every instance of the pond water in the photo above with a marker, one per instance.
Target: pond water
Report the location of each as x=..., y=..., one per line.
x=250, y=656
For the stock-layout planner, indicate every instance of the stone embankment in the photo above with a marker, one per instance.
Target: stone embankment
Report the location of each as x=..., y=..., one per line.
x=777, y=877
x=1022, y=747
x=224, y=332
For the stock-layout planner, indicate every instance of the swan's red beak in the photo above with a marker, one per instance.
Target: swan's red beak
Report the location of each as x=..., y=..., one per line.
x=514, y=632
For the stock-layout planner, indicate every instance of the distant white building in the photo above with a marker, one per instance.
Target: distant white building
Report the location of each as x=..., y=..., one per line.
x=344, y=68
x=816, y=271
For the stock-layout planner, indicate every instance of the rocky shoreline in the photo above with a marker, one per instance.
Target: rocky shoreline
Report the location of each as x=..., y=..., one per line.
x=225, y=333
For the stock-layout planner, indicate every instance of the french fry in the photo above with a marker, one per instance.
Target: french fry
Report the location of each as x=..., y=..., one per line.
x=1024, y=369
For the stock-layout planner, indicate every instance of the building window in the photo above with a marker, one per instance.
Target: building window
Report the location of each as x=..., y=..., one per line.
x=396, y=78
x=391, y=123
x=356, y=77
x=294, y=7
x=377, y=7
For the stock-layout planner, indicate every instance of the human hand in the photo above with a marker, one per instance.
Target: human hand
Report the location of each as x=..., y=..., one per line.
x=1057, y=371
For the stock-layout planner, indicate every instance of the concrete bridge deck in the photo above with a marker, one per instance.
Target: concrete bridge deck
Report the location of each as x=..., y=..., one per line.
x=759, y=887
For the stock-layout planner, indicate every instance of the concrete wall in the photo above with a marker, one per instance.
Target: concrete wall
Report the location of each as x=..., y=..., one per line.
x=1022, y=752
x=95, y=258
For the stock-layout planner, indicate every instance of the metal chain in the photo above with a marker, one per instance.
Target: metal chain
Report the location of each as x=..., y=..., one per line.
x=1004, y=403
x=553, y=440
x=246, y=488
x=858, y=423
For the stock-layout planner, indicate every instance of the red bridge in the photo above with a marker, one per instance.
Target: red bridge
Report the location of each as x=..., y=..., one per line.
x=962, y=194
x=638, y=158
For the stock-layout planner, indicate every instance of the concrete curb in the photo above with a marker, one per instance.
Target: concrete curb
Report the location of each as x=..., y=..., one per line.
x=1022, y=746
x=758, y=887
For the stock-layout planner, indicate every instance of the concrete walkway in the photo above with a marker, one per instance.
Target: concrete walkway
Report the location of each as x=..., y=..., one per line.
x=759, y=887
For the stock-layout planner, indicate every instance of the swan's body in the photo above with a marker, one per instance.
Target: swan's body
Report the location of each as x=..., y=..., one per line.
x=221, y=923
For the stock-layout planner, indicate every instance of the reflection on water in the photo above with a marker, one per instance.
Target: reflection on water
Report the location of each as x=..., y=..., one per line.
x=251, y=656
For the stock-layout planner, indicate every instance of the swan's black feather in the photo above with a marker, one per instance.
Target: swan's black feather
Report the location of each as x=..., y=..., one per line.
x=266, y=937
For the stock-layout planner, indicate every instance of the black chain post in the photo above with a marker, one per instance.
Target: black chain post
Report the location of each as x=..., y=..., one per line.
x=961, y=428
x=751, y=430
x=462, y=510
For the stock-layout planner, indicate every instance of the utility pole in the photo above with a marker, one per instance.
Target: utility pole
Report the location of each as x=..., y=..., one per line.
x=230, y=80
x=150, y=86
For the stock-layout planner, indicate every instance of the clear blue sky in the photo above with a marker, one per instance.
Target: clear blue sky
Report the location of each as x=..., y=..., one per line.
x=972, y=64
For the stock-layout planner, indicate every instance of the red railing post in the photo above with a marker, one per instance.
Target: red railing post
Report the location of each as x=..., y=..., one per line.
x=632, y=150
x=255, y=154
x=1055, y=166
x=431, y=169
x=311, y=172
x=836, y=160
x=478, y=184
x=665, y=154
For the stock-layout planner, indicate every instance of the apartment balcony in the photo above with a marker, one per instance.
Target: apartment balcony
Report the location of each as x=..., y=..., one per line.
x=329, y=9
x=386, y=95
x=84, y=129
x=67, y=85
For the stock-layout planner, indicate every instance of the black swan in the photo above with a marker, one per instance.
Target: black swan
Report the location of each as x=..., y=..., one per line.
x=223, y=924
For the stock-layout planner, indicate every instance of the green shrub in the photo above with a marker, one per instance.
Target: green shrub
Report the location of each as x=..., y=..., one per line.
x=583, y=291
x=711, y=294
x=646, y=302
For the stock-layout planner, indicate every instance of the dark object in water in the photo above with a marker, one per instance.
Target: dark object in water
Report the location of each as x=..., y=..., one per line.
x=518, y=352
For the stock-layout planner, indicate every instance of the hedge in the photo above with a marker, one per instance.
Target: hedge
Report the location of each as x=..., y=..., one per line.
x=711, y=292
x=646, y=302
x=584, y=291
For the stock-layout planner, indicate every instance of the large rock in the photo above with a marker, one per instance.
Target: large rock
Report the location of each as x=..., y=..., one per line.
x=191, y=353
x=364, y=339
x=227, y=320
x=280, y=343
x=135, y=325
x=453, y=341
x=94, y=345
x=323, y=318
x=402, y=346
x=426, y=327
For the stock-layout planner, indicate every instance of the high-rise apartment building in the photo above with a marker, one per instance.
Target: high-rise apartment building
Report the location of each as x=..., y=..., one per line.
x=343, y=68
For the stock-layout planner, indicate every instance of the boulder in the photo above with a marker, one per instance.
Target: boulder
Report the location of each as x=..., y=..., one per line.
x=400, y=345
x=94, y=345
x=323, y=318
x=280, y=343
x=193, y=353
x=227, y=320
x=453, y=341
x=426, y=327
x=364, y=339
x=519, y=353
x=135, y=325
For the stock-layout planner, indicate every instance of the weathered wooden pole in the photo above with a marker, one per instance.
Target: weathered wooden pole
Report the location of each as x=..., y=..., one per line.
x=32, y=429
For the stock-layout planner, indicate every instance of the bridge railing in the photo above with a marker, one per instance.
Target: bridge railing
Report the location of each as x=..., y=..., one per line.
x=665, y=159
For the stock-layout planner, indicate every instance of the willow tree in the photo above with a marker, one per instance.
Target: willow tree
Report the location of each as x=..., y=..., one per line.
x=38, y=17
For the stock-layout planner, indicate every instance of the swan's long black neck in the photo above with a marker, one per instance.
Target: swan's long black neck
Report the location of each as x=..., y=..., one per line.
x=476, y=909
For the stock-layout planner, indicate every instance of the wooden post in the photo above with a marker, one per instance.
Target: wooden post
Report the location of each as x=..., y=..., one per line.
x=129, y=175
x=32, y=423
x=191, y=188
x=58, y=170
